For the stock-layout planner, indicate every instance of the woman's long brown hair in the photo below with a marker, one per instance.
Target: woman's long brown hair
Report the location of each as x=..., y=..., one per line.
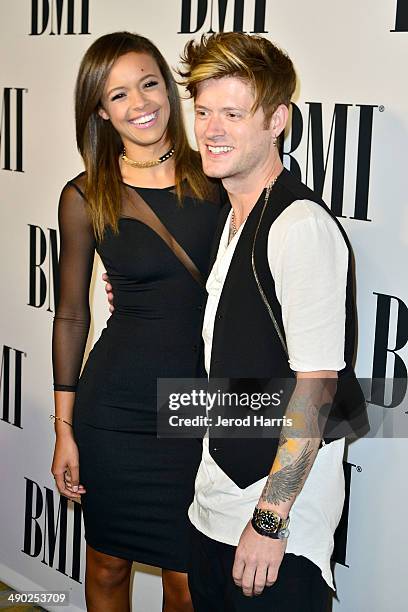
x=99, y=143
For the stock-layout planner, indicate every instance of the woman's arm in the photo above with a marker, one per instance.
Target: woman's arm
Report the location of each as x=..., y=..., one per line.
x=70, y=331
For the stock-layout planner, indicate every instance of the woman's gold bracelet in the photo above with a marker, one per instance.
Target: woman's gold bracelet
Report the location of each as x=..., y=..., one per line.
x=57, y=418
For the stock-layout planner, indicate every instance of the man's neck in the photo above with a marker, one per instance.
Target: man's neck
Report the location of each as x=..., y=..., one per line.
x=244, y=192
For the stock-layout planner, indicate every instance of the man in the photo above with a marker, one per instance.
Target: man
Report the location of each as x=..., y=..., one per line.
x=280, y=305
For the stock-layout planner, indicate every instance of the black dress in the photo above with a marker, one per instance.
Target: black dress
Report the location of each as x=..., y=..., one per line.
x=138, y=486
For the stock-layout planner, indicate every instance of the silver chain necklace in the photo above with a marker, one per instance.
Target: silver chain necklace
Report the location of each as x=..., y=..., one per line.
x=233, y=227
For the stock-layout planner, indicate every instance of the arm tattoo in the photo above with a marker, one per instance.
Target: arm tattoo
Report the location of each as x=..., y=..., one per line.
x=282, y=440
x=286, y=483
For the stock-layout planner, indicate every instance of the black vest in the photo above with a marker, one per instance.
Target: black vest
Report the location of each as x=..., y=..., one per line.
x=246, y=350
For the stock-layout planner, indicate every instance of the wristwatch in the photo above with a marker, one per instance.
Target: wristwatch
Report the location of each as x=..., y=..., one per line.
x=270, y=524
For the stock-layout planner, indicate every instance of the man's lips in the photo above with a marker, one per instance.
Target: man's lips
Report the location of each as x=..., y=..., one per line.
x=218, y=150
x=145, y=121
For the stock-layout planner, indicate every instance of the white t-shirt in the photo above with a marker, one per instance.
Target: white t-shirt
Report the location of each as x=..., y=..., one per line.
x=308, y=259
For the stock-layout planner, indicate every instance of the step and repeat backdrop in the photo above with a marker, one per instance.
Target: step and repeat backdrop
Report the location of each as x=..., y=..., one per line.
x=347, y=140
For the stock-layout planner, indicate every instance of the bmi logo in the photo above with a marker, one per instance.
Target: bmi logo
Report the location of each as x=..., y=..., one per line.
x=341, y=533
x=43, y=268
x=11, y=385
x=223, y=15
x=401, y=17
x=309, y=158
x=391, y=336
x=11, y=128
x=59, y=17
x=50, y=531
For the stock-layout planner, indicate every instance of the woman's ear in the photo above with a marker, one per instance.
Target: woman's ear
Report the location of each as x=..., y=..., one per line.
x=102, y=113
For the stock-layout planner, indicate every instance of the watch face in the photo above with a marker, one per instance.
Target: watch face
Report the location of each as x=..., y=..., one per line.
x=270, y=522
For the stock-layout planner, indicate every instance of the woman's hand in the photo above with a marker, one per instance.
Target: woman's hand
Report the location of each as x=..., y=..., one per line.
x=65, y=468
x=108, y=289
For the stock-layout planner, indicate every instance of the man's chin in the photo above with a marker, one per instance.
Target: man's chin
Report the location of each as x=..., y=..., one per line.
x=213, y=172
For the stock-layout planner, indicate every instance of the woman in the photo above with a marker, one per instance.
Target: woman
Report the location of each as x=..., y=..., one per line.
x=143, y=189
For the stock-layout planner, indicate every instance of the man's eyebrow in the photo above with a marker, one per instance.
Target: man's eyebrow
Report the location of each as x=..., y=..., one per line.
x=224, y=108
x=235, y=108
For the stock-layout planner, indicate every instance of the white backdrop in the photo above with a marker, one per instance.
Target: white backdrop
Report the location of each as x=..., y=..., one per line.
x=350, y=54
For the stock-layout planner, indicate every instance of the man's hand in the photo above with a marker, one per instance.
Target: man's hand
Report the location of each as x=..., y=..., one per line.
x=257, y=561
x=108, y=289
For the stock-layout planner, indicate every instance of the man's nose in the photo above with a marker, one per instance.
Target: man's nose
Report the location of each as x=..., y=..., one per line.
x=214, y=127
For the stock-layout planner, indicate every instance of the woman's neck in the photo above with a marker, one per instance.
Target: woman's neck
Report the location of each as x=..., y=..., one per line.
x=162, y=175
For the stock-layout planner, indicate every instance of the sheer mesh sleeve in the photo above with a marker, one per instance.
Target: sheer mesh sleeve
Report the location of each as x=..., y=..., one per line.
x=72, y=318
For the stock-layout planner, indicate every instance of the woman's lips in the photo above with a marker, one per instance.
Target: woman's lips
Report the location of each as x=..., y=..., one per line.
x=145, y=121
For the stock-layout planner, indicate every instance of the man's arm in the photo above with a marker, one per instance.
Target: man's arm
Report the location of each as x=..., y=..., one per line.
x=299, y=443
x=258, y=557
x=308, y=258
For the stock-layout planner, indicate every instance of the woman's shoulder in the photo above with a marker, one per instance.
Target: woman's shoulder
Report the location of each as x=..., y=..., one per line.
x=72, y=198
x=78, y=183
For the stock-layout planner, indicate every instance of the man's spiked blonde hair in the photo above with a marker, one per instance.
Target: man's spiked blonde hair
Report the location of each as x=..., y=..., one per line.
x=254, y=59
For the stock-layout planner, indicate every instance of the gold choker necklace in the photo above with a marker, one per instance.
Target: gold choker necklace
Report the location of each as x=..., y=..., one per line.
x=147, y=164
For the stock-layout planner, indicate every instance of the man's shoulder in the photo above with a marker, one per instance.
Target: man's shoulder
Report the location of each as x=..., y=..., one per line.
x=305, y=211
x=298, y=190
x=303, y=226
x=306, y=206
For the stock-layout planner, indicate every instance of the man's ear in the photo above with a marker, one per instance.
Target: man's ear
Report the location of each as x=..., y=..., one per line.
x=279, y=120
x=102, y=113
